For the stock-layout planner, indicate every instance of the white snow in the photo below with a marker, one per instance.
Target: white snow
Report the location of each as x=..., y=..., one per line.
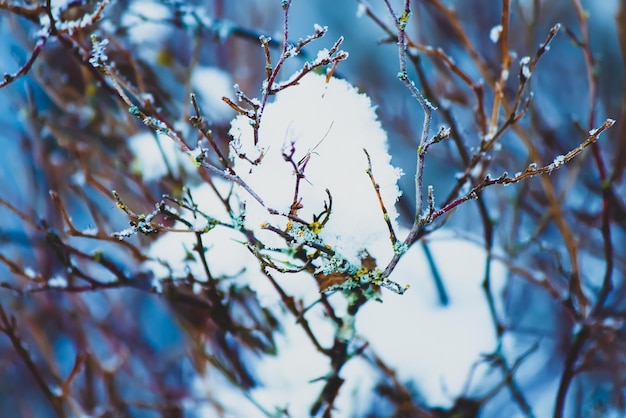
x=30, y=273
x=57, y=281
x=433, y=344
x=319, y=28
x=98, y=52
x=150, y=162
x=525, y=68
x=361, y=10
x=494, y=33
x=147, y=22
x=326, y=126
x=559, y=160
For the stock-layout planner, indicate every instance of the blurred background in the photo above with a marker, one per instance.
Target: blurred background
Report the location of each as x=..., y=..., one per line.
x=85, y=331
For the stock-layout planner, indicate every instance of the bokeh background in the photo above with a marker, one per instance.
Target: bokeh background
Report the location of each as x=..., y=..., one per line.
x=86, y=334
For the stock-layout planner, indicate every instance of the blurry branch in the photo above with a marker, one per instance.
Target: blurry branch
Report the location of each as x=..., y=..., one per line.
x=68, y=256
x=442, y=294
x=477, y=88
x=340, y=354
x=518, y=109
x=31, y=13
x=577, y=300
x=592, y=77
x=457, y=27
x=23, y=70
x=531, y=277
x=609, y=202
x=191, y=17
x=498, y=360
x=608, y=193
x=8, y=326
x=396, y=391
x=77, y=368
x=51, y=28
x=403, y=401
x=295, y=308
x=98, y=235
x=569, y=371
x=498, y=93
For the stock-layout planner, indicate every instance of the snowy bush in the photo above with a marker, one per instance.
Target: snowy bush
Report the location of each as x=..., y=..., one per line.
x=230, y=209
x=313, y=136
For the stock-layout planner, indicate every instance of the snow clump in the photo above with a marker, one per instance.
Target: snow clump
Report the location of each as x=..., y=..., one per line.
x=322, y=126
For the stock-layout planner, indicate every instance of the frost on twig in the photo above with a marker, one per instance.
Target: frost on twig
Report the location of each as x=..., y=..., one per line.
x=370, y=173
x=252, y=107
x=98, y=51
x=138, y=222
x=530, y=171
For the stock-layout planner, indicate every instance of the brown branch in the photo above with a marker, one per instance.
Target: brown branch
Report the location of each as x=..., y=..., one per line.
x=24, y=69
x=8, y=326
x=376, y=186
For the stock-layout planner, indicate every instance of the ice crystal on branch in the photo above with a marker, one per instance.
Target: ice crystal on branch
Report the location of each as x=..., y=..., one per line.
x=311, y=139
x=98, y=51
